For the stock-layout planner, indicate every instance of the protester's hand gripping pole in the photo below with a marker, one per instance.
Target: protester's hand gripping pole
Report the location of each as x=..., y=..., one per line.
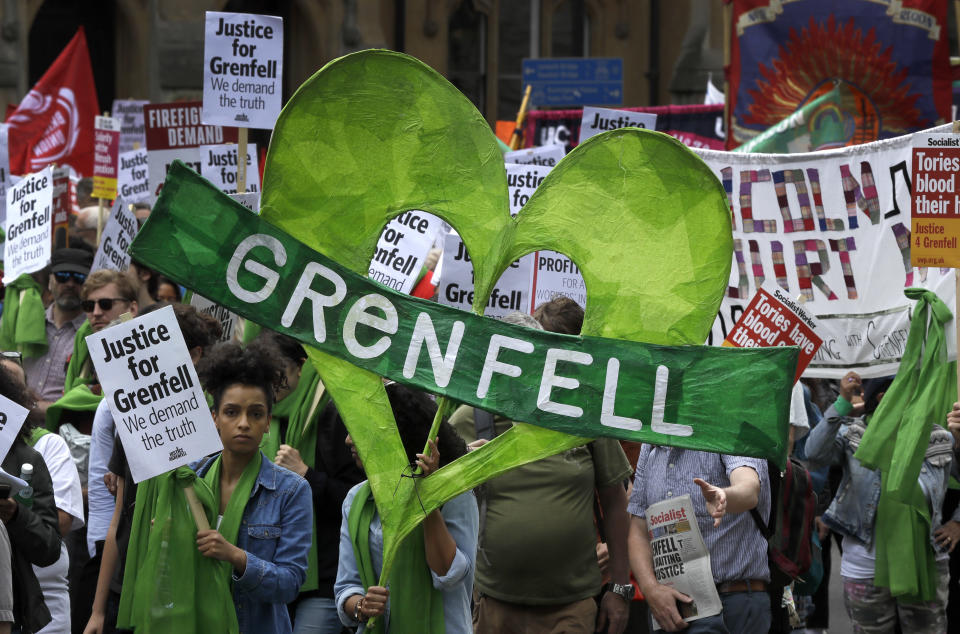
x=521, y=115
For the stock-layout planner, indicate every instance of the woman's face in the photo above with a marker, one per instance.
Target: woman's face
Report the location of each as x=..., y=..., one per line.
x=353, y=451
x=167, y=293
x=242, y=418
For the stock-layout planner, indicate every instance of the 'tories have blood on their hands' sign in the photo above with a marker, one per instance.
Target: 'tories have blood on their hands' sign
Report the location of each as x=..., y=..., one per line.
x=774, y=319
x=935, y=201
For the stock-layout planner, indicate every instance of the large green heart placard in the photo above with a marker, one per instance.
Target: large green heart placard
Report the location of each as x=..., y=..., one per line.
x=378, y=133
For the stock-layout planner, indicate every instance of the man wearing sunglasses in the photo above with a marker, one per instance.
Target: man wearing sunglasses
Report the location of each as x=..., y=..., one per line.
x=64, y=317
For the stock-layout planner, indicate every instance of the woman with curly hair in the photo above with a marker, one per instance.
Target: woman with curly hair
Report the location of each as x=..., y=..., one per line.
x=265, y=513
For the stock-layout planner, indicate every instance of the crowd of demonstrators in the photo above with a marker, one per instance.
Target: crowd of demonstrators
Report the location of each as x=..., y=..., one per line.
x=528, y=552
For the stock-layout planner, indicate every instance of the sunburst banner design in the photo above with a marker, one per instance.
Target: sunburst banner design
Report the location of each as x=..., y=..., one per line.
x=892, y=55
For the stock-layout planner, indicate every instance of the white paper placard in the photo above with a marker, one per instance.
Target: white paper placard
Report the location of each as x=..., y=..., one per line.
x=12, y=416
x=242, y=69
x=547, y=155
x=228, y=320
x=154, y=394
x=118, y=233
x=132, y=132
x=29, y=205
x=218, y=164
x=133, y=176
x=250, y=200
x=402, y=249
x=597, y=120
x=511, y=293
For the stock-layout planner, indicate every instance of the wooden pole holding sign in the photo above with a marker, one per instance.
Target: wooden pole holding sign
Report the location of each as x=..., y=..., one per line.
x=241, y=160
x=521, y=115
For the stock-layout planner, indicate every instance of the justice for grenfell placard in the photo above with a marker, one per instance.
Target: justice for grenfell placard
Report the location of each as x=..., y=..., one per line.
x=154, y=394
x=242, y=70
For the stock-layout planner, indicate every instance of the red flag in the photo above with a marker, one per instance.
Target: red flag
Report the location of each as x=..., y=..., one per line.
x=54, y=122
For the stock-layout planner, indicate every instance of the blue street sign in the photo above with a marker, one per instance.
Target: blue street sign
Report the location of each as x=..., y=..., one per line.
x=574, y=81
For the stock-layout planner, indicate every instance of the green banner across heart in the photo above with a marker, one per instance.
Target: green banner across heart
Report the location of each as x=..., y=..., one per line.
x=586, y=386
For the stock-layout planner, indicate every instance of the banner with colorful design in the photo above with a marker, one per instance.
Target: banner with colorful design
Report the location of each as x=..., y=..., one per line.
x=832, y=227
x=892, y=54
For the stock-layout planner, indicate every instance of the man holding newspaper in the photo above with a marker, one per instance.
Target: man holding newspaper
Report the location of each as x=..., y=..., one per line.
x=668, y=551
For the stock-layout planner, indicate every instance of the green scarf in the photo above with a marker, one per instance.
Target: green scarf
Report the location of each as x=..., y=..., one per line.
x=78, y=399
x=77, y=372
x=169, y=587
x=300, y=408
x=895, y=442
x=36, y=434
x=415, y=605
x=24, y=324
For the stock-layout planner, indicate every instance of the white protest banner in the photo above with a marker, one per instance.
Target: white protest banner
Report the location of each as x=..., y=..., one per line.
x=597, y=120
x=511, y=293
x=12, y=416
x=553, y=273
x=133, y=177
x=548, y=155
x=250, y=200
x=228, y=320
x=28, y=228
x=132, y=133
x=106, y=141
x=118, y=233
x=242, y=69
x=174, y=132
x=832, y=226
x=154, y=394
x=402, y=249
x=219, y=166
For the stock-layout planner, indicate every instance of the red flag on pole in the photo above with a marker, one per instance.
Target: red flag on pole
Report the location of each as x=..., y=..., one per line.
x=54, y=122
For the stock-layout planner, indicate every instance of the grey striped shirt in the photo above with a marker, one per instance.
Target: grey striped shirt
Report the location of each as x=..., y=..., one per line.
x=737, y=549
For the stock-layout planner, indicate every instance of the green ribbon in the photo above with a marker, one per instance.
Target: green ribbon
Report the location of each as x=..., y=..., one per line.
x=169, y=587
x=24, y=324
x=193, y=235
x=78, y=399
x=80, y=368
x=297, y=408
x=415, y=605
x=895, y=442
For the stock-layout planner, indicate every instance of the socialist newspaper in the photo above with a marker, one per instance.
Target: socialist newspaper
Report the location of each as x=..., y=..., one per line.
x=680, y=558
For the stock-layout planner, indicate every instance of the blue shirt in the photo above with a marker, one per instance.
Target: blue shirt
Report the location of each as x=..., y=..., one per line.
x=463, y=521
x=737, y=548
x=275, y=533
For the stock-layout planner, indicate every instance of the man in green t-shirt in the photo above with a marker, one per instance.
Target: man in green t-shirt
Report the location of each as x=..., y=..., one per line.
x=537, y=567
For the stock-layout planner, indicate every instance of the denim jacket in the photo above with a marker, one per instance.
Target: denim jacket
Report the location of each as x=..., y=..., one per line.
x=853, y=511
x=275, y=533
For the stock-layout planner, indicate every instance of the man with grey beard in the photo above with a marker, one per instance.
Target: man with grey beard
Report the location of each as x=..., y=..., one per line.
x=46, y=374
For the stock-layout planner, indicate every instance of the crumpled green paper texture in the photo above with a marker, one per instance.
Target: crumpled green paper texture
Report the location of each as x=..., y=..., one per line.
x=377, y=133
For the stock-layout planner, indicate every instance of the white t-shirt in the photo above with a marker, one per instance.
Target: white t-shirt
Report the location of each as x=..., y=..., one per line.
x=99, y=500
x=798, y=413
x=858, y=562
x=69, y=499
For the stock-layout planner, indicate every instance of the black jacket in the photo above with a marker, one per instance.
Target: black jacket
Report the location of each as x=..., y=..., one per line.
x=34, y=538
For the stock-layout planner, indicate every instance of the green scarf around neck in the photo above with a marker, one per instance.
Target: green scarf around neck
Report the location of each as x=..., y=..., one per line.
x=896, y=441
x=415, y=605
x=169, y=587
x=77, y=370
x=78, y=399
x=24, y=324
x=300, y=408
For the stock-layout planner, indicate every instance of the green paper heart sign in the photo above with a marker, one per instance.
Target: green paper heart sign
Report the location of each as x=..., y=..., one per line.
x=377, y=133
